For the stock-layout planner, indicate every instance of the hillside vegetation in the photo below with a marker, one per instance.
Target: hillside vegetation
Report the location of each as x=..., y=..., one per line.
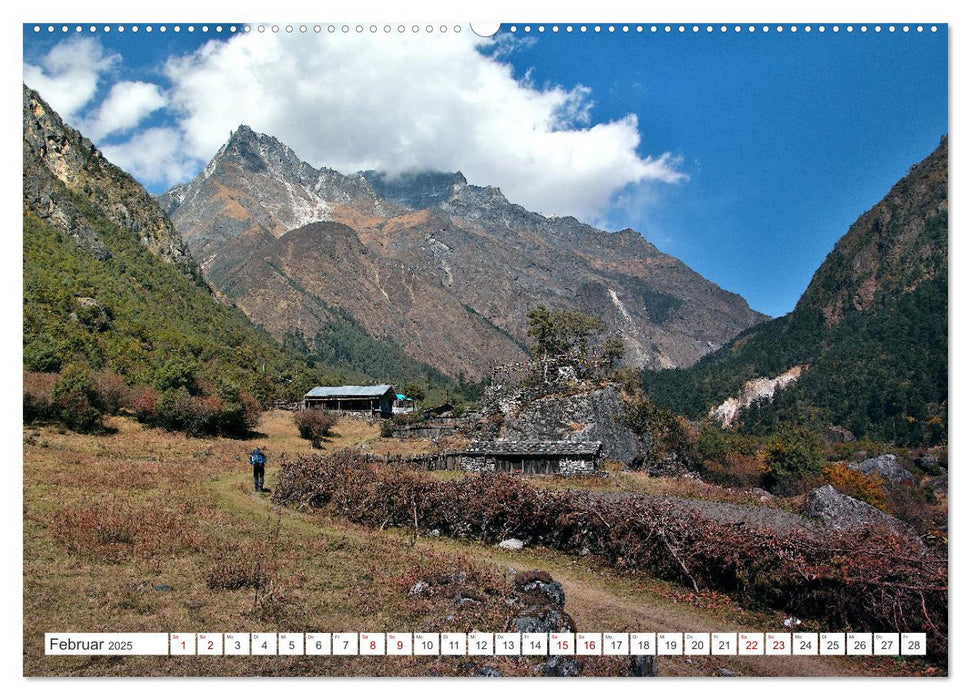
x=872, y=328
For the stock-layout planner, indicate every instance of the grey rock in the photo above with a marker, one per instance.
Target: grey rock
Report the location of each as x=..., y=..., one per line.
x=938, y=484
x=725, y=672
x=541, y=600
x=419, y=588
x=842, y=512
x=642, y=666
x=930, y=463
x=549, y=621
x=487, y=672
x=886, y=466
x=511, y=543
x=836, y=434
x=58, y=160
x=560, y=667
x=417, y=190
x=550, y=589
x=600, y=415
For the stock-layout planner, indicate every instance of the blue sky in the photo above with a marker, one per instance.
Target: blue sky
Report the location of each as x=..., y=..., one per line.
x=747, y=155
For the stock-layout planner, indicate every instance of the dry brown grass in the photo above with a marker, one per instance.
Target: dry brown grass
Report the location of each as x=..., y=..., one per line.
x=618, y=480
x=192, y=517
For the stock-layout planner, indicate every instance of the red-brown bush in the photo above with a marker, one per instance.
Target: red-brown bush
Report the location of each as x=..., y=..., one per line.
x=314, y=425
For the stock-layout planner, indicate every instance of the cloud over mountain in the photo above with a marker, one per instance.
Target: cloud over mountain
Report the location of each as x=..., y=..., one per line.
x=387, y=102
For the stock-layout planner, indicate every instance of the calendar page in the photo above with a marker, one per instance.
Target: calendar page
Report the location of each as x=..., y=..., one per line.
x=474, y=350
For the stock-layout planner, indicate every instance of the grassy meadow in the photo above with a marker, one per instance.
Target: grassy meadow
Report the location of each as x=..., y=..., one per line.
x=144, y=530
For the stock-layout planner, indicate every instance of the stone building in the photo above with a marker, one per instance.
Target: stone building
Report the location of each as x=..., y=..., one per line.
x=534, y=457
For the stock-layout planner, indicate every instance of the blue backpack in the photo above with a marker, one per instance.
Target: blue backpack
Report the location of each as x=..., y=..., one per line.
x=257, y=458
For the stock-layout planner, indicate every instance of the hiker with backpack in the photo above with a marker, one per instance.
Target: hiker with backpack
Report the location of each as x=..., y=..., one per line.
x=258, y=460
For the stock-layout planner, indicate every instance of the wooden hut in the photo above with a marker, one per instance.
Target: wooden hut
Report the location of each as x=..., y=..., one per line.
x=375, y=400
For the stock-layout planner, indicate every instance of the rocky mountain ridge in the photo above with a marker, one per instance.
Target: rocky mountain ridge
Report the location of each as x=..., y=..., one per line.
x=59, y=160
x=447, y=269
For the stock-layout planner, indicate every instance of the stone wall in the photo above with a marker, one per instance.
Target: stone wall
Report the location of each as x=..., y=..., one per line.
x=567, y=466
x=426, y=430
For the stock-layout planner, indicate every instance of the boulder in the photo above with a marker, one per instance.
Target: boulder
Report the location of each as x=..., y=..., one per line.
x=419, y=588
x=544, y=623
x=836, y=434
x=930, y=462
x=560, y=667
x=886, y=466
x=593, y=416
x=511, y=543
x=543, y=583
x=842, y=512
x=540, y=601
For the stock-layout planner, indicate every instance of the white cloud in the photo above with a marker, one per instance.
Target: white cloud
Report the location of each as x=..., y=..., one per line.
x=153, y=156
x=400, y=103
x=126, y=105
x=67, y=77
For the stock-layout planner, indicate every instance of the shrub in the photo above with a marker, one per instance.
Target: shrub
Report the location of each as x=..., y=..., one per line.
x=111, y=391
x=38, y=404
x=175, y=373
x=178, y=410
x=234, y=572
x=75, y=400
x=672, y=437
x=239, y=416
x=314, y=425
x=791, y=454
x=869, y=488
x=142, y=402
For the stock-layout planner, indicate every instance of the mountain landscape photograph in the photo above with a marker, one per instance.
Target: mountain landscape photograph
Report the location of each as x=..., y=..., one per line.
x=625, y=335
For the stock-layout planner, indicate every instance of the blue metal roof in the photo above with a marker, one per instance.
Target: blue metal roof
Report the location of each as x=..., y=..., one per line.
x=341, y=392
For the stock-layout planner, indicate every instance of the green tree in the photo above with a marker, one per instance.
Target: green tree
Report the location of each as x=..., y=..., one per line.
x=612, y=352
x=792, y=453
x=559, y=331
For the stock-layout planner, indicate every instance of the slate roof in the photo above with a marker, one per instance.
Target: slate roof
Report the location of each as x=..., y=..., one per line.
x=532, y=447
x=348, y=392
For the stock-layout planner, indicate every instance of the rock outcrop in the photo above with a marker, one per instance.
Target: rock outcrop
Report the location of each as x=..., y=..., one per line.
x=540, y=414
x=759, y=389
x=541, y=601
x=596, y=416
x=886, y=466
x=58, y=159
x=841, y=512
